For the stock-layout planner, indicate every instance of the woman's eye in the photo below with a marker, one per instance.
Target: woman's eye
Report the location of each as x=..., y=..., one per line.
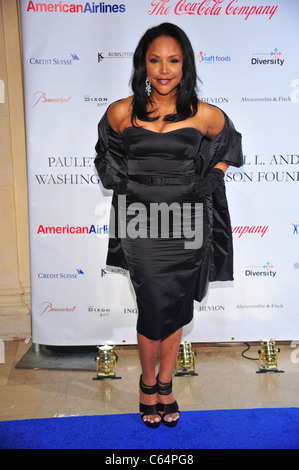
x=153, y=61
x=174, y=61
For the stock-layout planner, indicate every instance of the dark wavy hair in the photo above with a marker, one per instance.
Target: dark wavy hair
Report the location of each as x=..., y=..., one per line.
x=186, y=101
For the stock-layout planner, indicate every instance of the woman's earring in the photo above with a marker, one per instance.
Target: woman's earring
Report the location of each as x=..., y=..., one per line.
x=148, y=87
x=182, y=83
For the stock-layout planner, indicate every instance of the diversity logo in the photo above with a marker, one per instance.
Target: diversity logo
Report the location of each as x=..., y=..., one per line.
x=268, y=58
x=275, y=53
x=260, y=271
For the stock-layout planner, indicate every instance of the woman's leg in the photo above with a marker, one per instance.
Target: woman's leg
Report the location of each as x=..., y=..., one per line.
x=148, y=353
x=168, y=353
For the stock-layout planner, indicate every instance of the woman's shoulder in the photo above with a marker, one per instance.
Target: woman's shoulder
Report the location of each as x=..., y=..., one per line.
x=119, y=112
x=211, y=118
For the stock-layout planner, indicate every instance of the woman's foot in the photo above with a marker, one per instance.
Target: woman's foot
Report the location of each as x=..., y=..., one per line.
x=168, y=407
x=149, y=404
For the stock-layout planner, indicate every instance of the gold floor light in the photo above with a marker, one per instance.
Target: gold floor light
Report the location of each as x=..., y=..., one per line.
x=185, y=363
x=268, y=357
x=106, y=363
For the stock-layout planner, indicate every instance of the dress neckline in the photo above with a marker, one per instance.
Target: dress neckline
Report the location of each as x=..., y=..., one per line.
x=162, y=133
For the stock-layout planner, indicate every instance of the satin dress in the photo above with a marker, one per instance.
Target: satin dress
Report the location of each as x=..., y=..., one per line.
x=167, y=276
x=163, y=266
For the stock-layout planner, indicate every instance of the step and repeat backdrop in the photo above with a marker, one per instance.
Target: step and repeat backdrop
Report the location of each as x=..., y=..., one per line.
x=77, y=60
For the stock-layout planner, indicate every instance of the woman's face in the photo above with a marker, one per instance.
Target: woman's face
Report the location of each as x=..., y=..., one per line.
x=164, y=64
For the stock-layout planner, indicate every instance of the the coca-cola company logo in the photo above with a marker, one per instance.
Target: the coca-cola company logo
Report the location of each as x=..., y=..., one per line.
x=234, y=8
x=258, y=230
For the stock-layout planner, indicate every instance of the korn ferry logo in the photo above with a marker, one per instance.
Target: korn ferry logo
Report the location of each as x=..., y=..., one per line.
x=265, y=270
x=273, y=57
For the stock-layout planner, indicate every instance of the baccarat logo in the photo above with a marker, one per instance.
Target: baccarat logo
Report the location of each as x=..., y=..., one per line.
x=40, y=97
x=48, y=307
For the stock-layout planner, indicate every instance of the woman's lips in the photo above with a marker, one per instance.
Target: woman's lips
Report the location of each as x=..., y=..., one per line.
x=164, y=81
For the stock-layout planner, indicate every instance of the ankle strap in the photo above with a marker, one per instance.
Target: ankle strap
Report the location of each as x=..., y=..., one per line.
x=163, y=387
x=148, y=389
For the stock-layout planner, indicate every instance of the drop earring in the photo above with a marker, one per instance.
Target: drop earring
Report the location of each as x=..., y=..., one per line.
x=148, y=87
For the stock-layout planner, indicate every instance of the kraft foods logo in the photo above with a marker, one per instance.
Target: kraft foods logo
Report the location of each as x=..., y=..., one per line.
x=207, y=58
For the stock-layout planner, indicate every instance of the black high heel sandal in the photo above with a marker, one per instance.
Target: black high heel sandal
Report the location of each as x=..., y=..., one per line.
x=147, y=410
x=166, y=389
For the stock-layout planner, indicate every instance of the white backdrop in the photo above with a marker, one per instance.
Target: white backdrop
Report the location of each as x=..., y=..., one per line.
x=77, y=60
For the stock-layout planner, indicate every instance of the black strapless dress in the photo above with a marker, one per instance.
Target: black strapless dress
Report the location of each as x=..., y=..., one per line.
x=163, y=268
x=167, y=276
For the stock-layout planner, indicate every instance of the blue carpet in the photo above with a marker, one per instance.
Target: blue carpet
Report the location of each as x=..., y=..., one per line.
x=267, y=428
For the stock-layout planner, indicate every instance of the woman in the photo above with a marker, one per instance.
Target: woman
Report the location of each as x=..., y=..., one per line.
x=164, y=145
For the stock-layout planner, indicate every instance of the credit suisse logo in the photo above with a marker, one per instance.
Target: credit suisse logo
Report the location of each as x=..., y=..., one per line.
x=61, y=275
x=54, y=60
